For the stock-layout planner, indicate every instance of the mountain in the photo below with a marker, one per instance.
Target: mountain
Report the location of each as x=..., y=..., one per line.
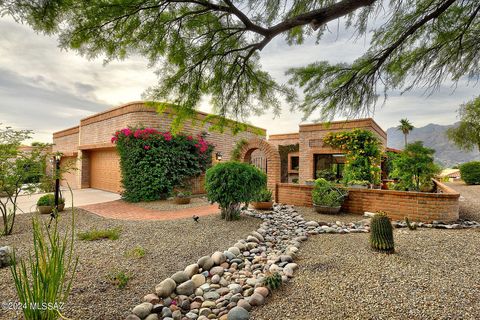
x=433, y=136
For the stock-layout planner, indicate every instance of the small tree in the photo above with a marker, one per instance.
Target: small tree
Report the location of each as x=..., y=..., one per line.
x=467, y=134
x=405, y=127
x=414, y=166
x=17, y=169
x=232, y=183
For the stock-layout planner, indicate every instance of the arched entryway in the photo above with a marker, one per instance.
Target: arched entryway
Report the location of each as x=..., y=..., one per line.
x=272, y=158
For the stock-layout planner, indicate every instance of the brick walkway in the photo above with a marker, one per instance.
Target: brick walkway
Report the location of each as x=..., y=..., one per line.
x=125, y=211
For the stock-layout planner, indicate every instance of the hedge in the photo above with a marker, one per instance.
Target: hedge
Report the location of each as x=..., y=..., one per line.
x=470, y=172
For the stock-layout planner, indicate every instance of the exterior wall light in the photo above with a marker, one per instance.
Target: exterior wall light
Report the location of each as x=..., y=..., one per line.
x=218, y=156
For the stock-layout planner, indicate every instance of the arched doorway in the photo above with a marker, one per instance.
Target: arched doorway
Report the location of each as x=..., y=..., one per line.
x=272, y=166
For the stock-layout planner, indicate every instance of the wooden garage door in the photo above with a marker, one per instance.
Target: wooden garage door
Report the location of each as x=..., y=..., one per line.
x=105, y=170
x=69, y=174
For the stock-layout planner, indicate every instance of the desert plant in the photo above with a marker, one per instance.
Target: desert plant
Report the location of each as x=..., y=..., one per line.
x=183, y=194
x=358, y=182
x=119, y=278
x=111, y=234
x=326, y=194
x=381, y=233
x=231, y=183
x=273, y=281
x=265, y=195
x=43, y=281
x=411, y=226
x=136, y=253
x=470, y=172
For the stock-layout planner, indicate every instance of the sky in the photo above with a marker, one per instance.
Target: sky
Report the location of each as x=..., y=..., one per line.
x=47, y=89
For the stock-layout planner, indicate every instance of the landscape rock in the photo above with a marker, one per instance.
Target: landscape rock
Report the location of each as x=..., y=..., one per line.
x=187, y=288
x=165, y=288
x=191, y=270
x=143, y=310
x=238, y=313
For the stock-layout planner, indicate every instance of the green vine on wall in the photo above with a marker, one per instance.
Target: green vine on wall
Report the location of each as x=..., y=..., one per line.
x=236, y=152
x=362, y=153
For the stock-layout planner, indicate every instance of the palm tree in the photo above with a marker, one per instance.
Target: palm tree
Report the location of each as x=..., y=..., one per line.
x=405, y=126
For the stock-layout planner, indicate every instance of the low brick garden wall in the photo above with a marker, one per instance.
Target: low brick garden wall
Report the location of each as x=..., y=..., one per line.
x=417, y=206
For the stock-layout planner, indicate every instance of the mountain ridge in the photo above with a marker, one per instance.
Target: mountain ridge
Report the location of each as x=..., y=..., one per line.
x=433, y=136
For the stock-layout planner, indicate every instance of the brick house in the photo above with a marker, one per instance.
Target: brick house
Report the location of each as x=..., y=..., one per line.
x=312, y=155
x=88, y=146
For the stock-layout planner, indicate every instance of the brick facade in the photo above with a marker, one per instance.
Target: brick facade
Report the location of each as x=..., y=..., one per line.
x=417, y=206
x=90, y=142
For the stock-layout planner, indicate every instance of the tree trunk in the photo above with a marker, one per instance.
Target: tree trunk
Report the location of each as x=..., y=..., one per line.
x=405, y=136
x=231, y=212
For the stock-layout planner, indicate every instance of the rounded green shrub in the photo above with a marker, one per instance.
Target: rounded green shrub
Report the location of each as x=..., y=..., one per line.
x=46, y=200
x=470, y=172
x=232, y=183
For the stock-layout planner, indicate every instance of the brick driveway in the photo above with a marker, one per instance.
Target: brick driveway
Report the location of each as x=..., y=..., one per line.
x=125, y=211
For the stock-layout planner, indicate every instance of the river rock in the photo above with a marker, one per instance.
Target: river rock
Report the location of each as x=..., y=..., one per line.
x=218, y=258
x=180, y=277
x=143, y=310
x=165, y=288
x=238, y=313
x=191, y=269
x=187, y=288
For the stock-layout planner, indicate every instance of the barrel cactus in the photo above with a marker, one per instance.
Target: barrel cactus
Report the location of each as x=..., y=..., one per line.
x=381, y=233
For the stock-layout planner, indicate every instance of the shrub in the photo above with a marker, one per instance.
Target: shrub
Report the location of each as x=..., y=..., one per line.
x=470, y=172
x=381, y=233
x=45, y=278
x=265, y=195
x=231, y=183
x=111, y=234
x=325, y=193
x=326, y=174
x=46, y=200
x=153, y=163
x=119, y=278
x=414, y=166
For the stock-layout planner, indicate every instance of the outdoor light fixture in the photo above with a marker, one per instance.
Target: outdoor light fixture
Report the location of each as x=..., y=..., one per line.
x=218, y=156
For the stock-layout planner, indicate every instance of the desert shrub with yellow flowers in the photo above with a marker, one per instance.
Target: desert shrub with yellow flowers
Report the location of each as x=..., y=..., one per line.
x=362, y=154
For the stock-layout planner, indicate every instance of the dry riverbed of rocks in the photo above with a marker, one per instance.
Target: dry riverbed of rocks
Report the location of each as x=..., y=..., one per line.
x=226, y=285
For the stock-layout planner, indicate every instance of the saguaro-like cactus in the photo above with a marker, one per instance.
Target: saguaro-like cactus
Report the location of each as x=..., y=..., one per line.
x=381, y=233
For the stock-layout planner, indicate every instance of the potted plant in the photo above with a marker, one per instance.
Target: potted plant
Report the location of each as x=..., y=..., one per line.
x=358, y=184
x=263, y=200
x=45, y=203
x=327, y=198
x=182, y=197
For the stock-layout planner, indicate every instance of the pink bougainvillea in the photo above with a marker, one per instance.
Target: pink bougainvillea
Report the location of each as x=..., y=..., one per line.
x=146, y=147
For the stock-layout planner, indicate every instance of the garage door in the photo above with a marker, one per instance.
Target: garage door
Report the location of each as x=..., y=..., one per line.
x=105, y=170
x=69, y=174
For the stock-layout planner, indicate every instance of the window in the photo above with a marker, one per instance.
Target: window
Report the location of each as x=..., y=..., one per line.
x=293, y=162
x=329, y=163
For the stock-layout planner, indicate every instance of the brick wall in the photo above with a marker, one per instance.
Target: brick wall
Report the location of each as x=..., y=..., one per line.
x=66, y=141
x=417, y=206
x=311, y=141
x=283, y=139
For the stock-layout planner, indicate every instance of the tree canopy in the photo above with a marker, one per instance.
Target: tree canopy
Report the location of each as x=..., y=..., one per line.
x=210, y=48
x=467, y=134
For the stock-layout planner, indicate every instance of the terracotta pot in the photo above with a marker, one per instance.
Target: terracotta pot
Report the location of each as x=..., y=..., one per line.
x=327, y=210
x=262, y=205
x=44, y=209
x=61, y=207
x=183, y=200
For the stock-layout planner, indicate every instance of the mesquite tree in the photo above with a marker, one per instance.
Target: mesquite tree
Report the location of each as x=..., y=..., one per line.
x=211, y=47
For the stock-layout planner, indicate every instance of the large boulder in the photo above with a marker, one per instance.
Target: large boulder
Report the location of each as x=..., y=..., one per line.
x=5, y=256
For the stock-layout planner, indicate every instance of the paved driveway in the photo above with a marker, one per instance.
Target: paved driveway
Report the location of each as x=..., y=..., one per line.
x=81, y=197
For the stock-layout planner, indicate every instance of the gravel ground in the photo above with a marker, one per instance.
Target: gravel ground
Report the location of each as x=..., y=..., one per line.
x=169, y=246
x=469, y=201
x=164, y=205
x=435, y=274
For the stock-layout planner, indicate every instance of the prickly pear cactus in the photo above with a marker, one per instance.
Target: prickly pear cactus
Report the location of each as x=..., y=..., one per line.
x=381, y=233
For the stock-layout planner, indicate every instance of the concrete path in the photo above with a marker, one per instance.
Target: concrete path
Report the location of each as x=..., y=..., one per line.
x=81, y=197
x=125, y=211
